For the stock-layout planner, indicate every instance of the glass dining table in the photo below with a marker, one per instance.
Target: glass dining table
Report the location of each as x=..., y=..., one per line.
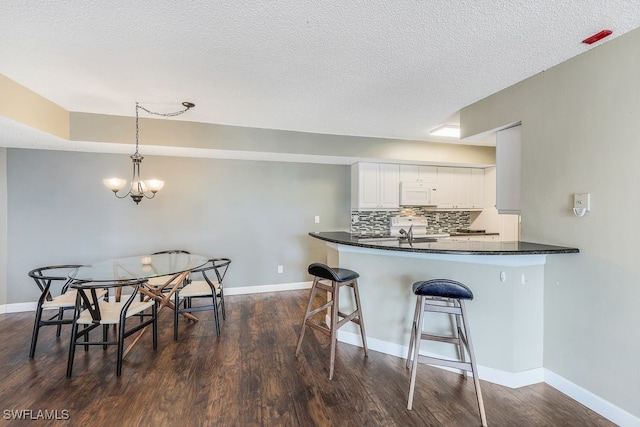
x=175, y=267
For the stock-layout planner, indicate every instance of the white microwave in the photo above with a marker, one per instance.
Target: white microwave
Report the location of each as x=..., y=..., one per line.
x=415, y=193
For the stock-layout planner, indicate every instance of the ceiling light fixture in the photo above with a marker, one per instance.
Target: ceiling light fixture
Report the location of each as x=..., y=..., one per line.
x=138, y=188
x=450, y=131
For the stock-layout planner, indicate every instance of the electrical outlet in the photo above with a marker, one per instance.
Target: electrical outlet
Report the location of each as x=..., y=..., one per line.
x=280, y=269
x=317, y=219
x=354, y=219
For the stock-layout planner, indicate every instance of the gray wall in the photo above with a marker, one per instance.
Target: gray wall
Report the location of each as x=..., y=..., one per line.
x=256, y=213
x=581, y=133
x=3, y=225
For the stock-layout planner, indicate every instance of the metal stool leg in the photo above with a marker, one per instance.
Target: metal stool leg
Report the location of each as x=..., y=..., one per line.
x=413, y=332
x=416, y=350
x=474, y=368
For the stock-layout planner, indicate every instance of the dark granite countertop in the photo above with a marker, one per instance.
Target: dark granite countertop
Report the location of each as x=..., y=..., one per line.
x=444, y=246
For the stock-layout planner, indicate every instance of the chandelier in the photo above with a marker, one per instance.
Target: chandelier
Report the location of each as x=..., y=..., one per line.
x=139, y=188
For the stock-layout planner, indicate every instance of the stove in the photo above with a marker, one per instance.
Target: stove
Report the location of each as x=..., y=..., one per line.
x=419, y=223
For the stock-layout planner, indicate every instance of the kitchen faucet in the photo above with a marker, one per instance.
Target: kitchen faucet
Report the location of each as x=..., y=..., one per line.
x=408, y=233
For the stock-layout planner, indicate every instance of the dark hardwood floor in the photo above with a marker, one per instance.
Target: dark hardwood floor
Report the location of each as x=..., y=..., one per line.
x=249, y=377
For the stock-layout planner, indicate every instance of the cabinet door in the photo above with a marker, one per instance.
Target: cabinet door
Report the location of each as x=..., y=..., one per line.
x=409, y=173
x=428, y=174
x=444, y=195
x=477, y=188
x=368, y=186
x=419, y=173
x=389, y=186
x=462, y=188
x=508, y=165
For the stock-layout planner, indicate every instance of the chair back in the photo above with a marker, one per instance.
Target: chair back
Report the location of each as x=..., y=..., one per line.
x=172, y=251
x=45, y=277
x=218, y=265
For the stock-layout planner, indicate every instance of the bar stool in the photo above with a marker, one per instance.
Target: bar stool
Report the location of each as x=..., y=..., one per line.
x=338, y=277
x=443, y=296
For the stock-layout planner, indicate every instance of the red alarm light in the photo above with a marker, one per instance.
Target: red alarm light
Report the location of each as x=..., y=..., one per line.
x=596, y=37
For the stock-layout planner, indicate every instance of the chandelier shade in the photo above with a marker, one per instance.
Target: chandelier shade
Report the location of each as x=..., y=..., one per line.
x=139, y=188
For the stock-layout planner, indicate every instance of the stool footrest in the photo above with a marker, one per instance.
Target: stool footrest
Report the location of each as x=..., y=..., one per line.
x=353, y=317
x=441, y=338
x=442, y=309
x=318, y=327
x=319, y=309
x=463, y=366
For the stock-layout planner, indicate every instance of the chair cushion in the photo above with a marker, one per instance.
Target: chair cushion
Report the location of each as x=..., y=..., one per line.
x=110, y=312
x=443, y=288
x=198, y=288
x=334, y=274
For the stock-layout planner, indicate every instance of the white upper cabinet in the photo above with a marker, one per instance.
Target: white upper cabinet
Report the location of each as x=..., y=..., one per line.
x=428, y=174
x=375, y=186
x=477, y=188
x=508, y=165
x=460, y=188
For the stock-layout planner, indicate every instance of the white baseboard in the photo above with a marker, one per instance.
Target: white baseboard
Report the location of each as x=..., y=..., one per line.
x=496, y=376
x=18, y=307
x=515, y=380
x=591, y=401
x=267, y=288
x=31, y=306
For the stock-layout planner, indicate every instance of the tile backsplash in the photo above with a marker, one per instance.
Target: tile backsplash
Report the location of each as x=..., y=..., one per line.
x=377, y=222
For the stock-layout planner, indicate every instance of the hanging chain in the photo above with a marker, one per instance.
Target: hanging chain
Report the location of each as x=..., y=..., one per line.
x=187, y=106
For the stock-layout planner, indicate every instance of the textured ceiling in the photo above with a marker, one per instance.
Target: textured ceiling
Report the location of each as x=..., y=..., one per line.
x=391, y=68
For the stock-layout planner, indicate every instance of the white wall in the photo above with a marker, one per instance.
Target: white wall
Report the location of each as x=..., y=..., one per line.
x=581, y=133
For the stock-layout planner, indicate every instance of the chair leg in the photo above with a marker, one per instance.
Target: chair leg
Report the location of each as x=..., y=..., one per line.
x=86, y=338
x=176, y=315
x=474, y=368
x=335, y=307
x=360, y=317
x=121, y=330
x=105, y=335
x=59, y=326
x=72, y=346
x=216, y=315
x=221, y=295
x=416, y=351
x=34, y=335
x=154, y=325
x=312, y=294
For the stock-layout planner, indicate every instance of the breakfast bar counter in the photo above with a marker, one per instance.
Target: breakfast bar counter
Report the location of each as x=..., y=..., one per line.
x=506, y=314
x=447, y=245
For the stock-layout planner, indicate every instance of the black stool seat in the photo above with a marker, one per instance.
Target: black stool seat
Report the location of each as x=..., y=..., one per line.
x=443, y=288
x=334, y=274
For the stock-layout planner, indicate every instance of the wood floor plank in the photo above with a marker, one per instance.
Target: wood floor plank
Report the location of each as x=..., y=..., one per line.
x=249, y=377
